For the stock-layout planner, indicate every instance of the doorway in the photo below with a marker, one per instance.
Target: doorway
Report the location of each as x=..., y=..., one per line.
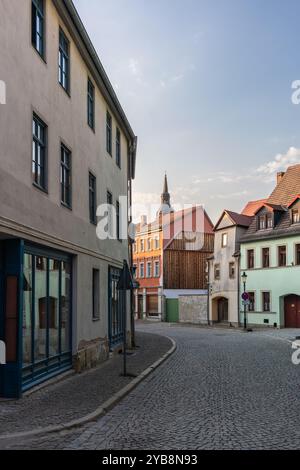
x=292, y=311
x=222, y=310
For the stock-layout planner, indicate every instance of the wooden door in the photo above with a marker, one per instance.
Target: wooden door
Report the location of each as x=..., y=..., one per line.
x=222, y=310
x=292, y=311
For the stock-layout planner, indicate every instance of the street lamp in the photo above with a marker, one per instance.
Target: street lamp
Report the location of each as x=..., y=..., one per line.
x=244, y=280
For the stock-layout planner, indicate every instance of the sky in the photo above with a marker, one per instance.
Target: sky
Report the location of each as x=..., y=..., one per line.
x=207, y=87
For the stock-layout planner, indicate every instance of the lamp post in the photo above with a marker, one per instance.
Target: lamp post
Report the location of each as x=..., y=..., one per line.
x=244, y=280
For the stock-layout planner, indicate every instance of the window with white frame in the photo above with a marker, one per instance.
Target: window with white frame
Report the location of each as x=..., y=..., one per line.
x=149, y=244
x=149, y=269
x=156, y=269
x=142, y=270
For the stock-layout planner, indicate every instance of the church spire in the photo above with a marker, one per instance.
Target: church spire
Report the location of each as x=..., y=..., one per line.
x=165, y=207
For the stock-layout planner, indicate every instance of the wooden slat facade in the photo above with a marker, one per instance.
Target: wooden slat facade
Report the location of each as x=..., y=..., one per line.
x=186, y=268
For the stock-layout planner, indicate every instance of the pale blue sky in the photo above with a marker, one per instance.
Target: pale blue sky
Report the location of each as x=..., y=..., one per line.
x=206, y=85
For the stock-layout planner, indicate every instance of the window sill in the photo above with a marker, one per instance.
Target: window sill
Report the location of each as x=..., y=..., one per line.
x=40, y=188
x=42, y=57
x=67, y=92
x=66, y=206
x=95, y=320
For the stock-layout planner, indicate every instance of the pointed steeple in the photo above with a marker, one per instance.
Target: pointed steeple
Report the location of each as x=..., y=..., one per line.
x=165, y=199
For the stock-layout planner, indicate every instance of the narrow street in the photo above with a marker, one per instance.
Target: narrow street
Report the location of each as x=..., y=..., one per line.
x=221, y=389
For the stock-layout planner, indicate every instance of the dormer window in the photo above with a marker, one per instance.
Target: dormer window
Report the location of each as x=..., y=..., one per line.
x=269, y=221
x=262, y=222
x=295, y=216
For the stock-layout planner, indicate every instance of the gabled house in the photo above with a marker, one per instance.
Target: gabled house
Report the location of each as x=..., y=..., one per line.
x=270, y=256
x=170, y=257
x=224, y=270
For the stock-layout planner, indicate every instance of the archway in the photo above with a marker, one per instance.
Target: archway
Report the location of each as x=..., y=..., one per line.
x=292, y=311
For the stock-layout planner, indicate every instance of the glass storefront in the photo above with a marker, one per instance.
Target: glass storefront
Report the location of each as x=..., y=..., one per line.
x=46, y=315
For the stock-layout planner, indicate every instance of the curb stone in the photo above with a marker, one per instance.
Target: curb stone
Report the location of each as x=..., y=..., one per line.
x=102, y=409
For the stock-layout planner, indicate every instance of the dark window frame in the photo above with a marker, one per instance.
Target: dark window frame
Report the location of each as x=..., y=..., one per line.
x=265, y=254
x=266, y=304
x=64, y=55
x=251, y=306
x=93, y=198
x=282, y=256
x=96, y=294
x=118, y=221
x=297, y=254
x=91, y=104
x=38, y=14
x=231, y=270
x=65, y=174
x=217, y=272
x=109, y=133
x=39, y=147
x=118, y=147
x=250, y=259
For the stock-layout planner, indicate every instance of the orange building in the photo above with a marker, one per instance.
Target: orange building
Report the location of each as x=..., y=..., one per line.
x=170, y=256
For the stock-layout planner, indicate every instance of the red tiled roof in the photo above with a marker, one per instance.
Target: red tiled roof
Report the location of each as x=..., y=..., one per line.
x=294, y=200
x=253, y=206
x=288, y=188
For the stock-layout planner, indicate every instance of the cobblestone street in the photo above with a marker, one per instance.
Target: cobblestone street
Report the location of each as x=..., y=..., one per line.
x=221, y=389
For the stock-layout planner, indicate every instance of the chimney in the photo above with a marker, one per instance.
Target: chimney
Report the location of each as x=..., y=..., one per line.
x=280, y=175
x=143, y=220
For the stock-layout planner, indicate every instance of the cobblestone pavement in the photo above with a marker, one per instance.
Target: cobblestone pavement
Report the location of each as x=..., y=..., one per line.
x=80, y=394
x=221, y=389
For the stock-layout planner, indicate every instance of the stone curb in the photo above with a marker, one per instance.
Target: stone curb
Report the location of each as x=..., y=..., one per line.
x=101, y=410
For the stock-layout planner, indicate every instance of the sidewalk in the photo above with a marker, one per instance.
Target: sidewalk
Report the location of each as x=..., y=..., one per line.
x=80, y=394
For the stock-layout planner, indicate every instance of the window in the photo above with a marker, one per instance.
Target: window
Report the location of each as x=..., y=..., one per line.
x=64, y=61
x=134, y=247
x=96, y=294
x=92, y=198
x=108, y=133
x=262, y=222
x=295, y=216
x=65, y=177
x=251, y=306
x=37, y=26
x=39, y=131
x=250, y=259
x=149, y=244
x=156, y=243
x=265, y=257
x=118, y=148
x=232, y=270
x=282, y=255
x=118, y=220
x=142, y=245
x=149, y=269
x=269, y=221
x=224, y=240
x=217, y=272
x=142, y=273
x=266, y=301
x=109, y=199
x=156, y=268
x=91, y=105
x=298, y=255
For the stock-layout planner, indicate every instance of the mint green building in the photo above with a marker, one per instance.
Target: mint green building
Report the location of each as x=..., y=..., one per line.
x=270, y=256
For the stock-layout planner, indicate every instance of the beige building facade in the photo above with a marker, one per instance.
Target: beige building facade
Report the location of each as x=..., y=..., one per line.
x=66, y=147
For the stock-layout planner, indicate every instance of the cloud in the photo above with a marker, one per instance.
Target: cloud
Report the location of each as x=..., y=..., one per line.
x=280, y=163
x=134, y=67
x=230, y=195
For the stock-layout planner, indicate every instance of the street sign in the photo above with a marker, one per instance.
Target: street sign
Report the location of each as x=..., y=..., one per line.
x=246, y=302
x=245, y=296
